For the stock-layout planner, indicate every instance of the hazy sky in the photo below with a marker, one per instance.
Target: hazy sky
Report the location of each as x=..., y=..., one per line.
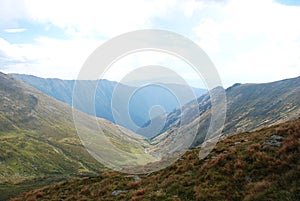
x=248, y=40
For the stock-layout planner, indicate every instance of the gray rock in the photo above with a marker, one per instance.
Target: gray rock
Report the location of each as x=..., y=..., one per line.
x=276, y=137
x=248, y=179
x=135, y=177
x=117, y=192
x=235, y=143
x=274, y=141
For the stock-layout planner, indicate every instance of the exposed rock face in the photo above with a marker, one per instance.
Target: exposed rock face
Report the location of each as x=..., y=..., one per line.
x=274, y=141
x=117, y=192
x=135, y=177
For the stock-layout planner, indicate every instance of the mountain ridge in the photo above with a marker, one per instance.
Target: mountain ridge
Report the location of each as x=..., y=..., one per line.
x=249, y=107
x=140, y=103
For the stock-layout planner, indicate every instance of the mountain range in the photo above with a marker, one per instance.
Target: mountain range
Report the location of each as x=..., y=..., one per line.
x=40, y=143
x=140, y=103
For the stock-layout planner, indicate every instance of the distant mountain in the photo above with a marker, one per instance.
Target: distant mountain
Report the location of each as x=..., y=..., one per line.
x=39, y=142
x=249, y=107
x=261, y=165
x=139, y=106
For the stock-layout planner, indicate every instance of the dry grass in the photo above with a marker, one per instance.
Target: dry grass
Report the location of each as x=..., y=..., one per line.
x=246, y=171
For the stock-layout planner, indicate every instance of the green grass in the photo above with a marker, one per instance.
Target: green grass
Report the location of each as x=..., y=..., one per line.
x=11, y=189
x=39, y=142
x=28, y=161
x=245, y=171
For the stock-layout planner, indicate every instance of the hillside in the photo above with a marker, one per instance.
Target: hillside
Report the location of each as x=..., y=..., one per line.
x=261, y=165
x=140, y=103
x=249, y=107
x=39, y=143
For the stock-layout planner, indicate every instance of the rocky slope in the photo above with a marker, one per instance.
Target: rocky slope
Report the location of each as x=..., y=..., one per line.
x=249, y=107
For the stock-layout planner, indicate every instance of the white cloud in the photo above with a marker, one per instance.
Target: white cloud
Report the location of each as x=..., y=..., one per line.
x=10, y=12
x=48, y=57
x=249, y=41
x=108, y=18
x=132, y=62
x=12, y=51
x=208, y=31
x=252, y=41
x=17, y=30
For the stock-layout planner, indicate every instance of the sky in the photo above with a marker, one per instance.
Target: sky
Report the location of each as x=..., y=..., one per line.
x=249, y=41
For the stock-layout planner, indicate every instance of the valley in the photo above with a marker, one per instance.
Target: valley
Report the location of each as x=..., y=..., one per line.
x=40, y=146
x=39, y=141
x=141, y=102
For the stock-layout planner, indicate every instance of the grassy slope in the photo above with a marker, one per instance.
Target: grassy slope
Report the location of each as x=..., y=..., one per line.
x=239, y=168
x=249, y=107
x=39, y=144
x=38, y=141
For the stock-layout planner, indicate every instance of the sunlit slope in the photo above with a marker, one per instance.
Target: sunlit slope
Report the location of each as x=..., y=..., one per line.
x=38, y=138
x=261, y=165
x=249, y=107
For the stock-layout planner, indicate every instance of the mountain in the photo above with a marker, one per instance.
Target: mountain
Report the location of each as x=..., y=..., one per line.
x=261, y=165
x=39, y=143
x=141, y=102
x=249, y=107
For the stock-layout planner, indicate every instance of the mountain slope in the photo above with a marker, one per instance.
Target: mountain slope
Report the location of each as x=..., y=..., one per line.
x=262, y=165
x=249, y=107
x=139, y=106
x=39, y=142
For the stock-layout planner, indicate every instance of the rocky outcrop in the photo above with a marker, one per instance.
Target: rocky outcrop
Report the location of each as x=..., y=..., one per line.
x=274, y=141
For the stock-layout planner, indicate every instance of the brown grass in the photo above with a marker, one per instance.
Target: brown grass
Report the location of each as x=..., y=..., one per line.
x=247, y=171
